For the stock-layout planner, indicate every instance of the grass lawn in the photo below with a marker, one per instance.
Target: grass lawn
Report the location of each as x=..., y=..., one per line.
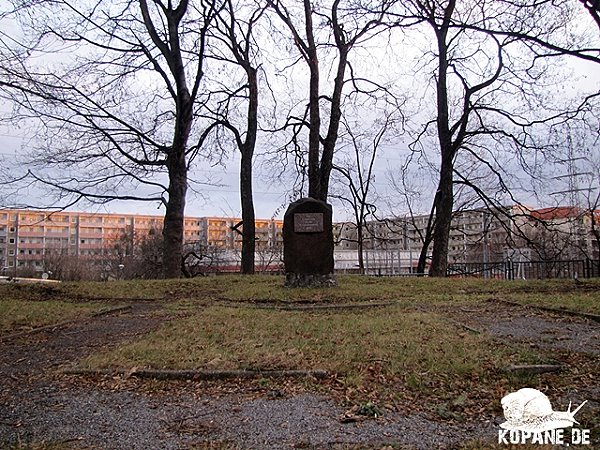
x=392, y=354
x=581, y=296
x=21, y=315
x=405, y=356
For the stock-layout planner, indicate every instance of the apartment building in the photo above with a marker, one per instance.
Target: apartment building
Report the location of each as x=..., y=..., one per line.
x=565, y=232
x=226, y=232
x=28, y=238
x=480, y=235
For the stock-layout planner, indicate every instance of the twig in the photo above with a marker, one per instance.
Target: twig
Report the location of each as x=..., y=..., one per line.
x=61, y=324
x=36, y=330
x=201, y=374
x=466, y=327
x=111, y=310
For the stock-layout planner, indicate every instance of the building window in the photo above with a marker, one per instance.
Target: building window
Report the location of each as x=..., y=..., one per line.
x=11, y=240
x=11, y=229
x=11, y=252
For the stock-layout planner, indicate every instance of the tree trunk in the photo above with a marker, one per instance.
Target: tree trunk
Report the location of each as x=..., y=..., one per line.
x=422, y=264
x=334, y=125
x=246, y=196
x=427, y=238
x=444, y=200
x=314, y=137
x=248, y=227
x=443, y=219
x=174, y=216
x=361, y=246
x=177, y=167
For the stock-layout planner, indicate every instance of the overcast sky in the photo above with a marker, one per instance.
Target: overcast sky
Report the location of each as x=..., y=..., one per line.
x=221, y=198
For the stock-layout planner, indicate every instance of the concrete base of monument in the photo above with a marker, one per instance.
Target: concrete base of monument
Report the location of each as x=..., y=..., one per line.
x=315, y=280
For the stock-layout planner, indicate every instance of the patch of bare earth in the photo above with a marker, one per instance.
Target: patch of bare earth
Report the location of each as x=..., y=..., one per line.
x=40, y=404
x=532, y=326
x=569, y=341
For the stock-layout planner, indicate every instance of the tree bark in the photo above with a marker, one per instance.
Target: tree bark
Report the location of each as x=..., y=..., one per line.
x=176, y=155
x=334, y=124
x=441, y=229
x=422, y=263
x=246, y=196
x=314, y=137
x=361, y=247
x=444, y=199
x=174, y=217
x=248, y=218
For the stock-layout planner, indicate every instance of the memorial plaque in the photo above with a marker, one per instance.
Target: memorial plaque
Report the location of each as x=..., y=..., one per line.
x=308, y=244
x=308, y=222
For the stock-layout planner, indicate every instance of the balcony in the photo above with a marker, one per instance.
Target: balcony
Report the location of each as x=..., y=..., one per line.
x=50, y=234
x=27, y=257
x=92, y=246
x=38, y=233
x=218, y=224
x=90, y=234
x=32, y=245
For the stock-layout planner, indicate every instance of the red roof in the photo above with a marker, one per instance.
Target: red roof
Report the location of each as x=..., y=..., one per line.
x=557, y=212
x=563, y=212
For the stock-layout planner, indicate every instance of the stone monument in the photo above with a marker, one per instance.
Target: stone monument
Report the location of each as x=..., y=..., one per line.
x=308, y=244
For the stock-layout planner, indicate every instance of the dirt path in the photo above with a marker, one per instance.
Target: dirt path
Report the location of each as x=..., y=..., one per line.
x=532, y=326
x=27, y=356
x=39, y=404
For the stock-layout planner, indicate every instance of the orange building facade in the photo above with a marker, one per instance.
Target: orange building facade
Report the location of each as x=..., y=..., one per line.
x=27, y=237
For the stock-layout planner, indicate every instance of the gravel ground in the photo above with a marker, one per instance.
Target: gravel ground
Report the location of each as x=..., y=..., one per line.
x=540, y=328
x=37, y=405
x=128, y=420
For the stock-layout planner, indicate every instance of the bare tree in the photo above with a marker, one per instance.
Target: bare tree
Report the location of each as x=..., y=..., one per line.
x=113, y=88
x=237, y=36
x=356, y=171
x=347, y=25
x=488, y=81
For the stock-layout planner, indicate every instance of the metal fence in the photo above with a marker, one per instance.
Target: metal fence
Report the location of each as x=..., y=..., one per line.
x=527, y=270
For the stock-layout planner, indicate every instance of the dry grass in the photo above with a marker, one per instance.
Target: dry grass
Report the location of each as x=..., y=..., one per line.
x=390, y=354
x=569, y=294
x=239, y=338
x=396, y=355
x=19, y=315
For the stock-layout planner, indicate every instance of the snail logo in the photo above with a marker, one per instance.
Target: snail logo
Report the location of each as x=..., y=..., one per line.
x=531, y=419
x=530, y=410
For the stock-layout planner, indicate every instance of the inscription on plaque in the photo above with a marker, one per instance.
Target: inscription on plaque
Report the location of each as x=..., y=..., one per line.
x=308, y=222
